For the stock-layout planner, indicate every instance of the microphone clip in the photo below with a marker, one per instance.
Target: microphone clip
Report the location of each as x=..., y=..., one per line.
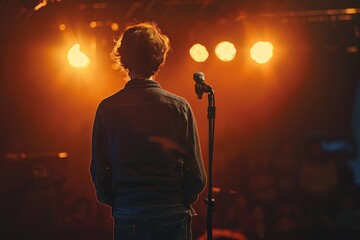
x=201, y=88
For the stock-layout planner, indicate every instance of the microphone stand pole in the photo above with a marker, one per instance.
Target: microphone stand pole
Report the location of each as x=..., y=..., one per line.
x=209, y=201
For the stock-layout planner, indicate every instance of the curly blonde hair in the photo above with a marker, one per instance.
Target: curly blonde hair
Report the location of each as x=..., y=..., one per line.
x=141, y=49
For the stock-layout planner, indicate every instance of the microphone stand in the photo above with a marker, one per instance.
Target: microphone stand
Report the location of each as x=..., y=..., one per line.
x=209, y=201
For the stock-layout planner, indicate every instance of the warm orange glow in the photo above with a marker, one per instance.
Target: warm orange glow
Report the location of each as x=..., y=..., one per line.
x=216, y=189
x=352, y=49
x=40, y=5
x=77, y=58
x=93, y=24
x=351, y=11
x=199, y=53
x=62, y=155
x=62, y=27
x=261, y=52
x=225, y=51
x=114, y=27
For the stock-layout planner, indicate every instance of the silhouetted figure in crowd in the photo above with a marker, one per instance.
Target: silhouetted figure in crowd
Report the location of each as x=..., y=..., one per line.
x=286, y=169
x=345, y=176
x=262, y=182
x=348, y=217
x=318, y=181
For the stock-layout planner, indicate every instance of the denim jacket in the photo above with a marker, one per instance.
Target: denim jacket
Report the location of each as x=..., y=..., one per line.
x=145, y=148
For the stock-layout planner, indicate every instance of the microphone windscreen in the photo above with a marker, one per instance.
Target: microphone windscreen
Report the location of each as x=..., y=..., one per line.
x=199, y=77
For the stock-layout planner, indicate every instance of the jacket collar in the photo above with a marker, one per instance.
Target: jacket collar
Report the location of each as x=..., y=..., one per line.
x=142, y=83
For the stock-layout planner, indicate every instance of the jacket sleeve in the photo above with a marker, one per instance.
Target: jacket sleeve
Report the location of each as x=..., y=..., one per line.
x=100, y=167
x=194, y=176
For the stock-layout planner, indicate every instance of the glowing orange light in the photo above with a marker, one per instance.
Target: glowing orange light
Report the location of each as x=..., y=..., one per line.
x=352, y=49
x=261, y=52
x=225, y=51
x=351, y=11
x=40, y=5
x=77, y=58
x=114, y=27
x=62, y=27
x=199, y=53
x=216, y=189
x=93, y=24
x=62, y=155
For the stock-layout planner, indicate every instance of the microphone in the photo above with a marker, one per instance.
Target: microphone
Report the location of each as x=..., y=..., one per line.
x=199, y=77
x=201, y=86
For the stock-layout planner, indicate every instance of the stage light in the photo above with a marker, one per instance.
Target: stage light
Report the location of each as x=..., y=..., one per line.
x=261, y=52
x=351, y=11
x=93, y=24
x=41, y=4
x=62, y=27
x=114, y=27
x=225, y=51
x=199, y=53
x=77, y=58
x=63, y=155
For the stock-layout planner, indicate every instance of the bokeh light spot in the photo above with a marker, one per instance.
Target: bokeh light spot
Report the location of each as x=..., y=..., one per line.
x=77, y=58
x=225, y=51
x=114, y=26
x=93, y=24
x=261, y=52
x=199, y=53
x=62, y=27
x=62, y=155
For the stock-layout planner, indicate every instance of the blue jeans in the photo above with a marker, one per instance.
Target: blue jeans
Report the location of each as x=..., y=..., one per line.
x=173, y=227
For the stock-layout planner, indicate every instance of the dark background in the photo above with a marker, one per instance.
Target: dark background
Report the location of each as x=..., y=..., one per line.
x=309, y=90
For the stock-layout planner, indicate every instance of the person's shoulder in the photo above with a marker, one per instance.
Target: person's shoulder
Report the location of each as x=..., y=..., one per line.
x=108, y=100
x=172, y=96
x=176, y=99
